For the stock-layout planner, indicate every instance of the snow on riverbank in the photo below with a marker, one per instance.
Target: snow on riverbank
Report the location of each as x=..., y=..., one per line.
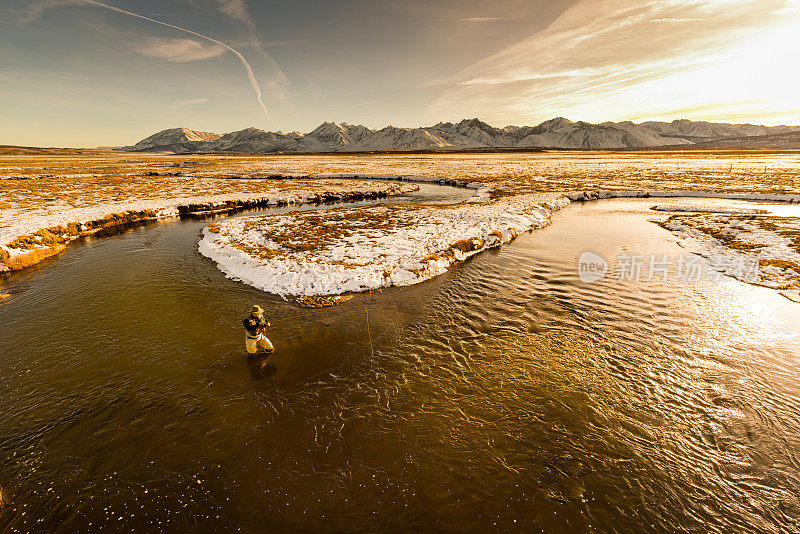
x=358, y=249
x=691, y=208
x=32, y=228
x=771, y=244
x=599, y=194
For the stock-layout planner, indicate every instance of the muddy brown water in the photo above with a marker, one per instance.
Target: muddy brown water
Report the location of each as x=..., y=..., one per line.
x=504, y=395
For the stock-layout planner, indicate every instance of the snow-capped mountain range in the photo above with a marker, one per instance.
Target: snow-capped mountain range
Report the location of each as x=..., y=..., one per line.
x=469, y=134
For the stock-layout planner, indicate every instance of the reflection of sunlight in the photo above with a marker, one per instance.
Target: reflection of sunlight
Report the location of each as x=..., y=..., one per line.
x=740, y=313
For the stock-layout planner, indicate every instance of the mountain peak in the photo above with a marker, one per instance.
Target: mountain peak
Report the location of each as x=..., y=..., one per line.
x=558, y=122
x=173, y=136
x=327, y=127
x=476, y=124
x=472, y=122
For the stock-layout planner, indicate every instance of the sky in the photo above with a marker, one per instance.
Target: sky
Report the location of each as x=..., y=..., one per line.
x=89, y=73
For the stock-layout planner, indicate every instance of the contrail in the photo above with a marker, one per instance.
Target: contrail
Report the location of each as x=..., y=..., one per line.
x=247, y=67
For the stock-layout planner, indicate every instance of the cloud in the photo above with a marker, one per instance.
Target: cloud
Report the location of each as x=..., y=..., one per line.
x=237, y=10
x=192, y=102
x=467, y=19
x=605, y=59
x=792, y=6
x=675, y=21
x=178, y=50
x=32, y=10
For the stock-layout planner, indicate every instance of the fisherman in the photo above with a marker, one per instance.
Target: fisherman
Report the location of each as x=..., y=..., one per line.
x=255, y=324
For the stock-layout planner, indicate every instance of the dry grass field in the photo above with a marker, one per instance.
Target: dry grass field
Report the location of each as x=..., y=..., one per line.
x=47, y=201
x=745, y=172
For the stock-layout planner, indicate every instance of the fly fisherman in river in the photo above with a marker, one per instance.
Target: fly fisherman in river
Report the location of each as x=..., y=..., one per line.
x=255, y=325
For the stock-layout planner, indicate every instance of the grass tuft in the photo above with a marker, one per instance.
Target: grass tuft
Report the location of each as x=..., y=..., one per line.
x=33, y=257
x=468, y=245
x=780, y=264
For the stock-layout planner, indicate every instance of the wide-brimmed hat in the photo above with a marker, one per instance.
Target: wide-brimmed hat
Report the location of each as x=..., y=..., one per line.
x=256, y=310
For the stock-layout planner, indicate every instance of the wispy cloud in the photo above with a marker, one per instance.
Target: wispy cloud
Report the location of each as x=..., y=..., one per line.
x=178, y=50
x=192, y=102
x=32, y=10
x=237, y=10
x=250, y=74
x=675, y=21
x=792, y=6
x=607, y=60
x=465, y=19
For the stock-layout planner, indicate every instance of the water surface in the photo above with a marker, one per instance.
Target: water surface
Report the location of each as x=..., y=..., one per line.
x=503, y=395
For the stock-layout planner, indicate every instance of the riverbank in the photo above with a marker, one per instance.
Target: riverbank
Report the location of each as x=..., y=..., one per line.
x=40, y=219
x=755, y=248
x=362, y=249
x=41, y=196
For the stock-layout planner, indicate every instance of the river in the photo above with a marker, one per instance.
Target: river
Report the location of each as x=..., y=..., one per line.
x=503, y=395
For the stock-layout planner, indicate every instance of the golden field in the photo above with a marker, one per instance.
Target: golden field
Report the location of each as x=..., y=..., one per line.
x=47, y=199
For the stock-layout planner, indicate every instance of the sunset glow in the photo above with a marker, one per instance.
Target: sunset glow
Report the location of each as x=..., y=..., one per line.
x=76, y=70
x=722, y=60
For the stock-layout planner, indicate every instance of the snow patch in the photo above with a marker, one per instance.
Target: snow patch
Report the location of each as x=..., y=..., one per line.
x=768, y=242
x=708, y=209
x=359, y=249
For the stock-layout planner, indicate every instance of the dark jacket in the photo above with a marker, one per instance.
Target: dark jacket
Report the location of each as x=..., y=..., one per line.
x=254, y=325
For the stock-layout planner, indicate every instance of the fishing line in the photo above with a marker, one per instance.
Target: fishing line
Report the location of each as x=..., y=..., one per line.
x=279, y=319
x=310, y=312
x=246, y=65
x=369, y=333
